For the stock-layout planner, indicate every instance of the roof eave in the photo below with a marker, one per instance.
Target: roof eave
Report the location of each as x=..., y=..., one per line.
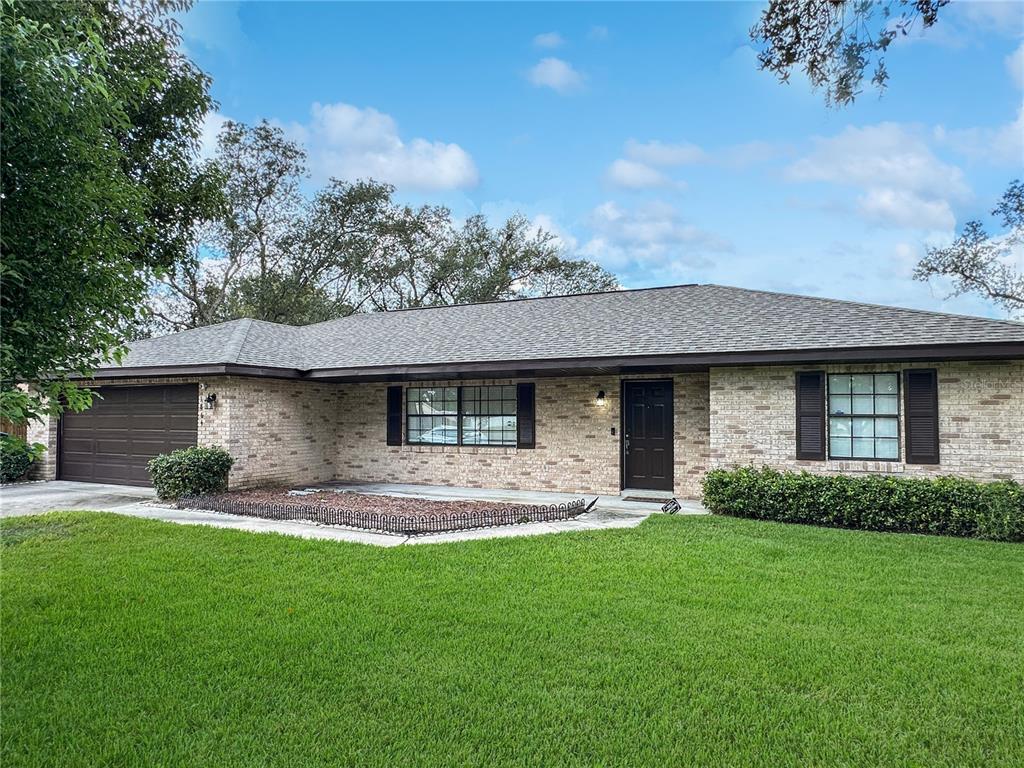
x=677, y=362
x=579, y=366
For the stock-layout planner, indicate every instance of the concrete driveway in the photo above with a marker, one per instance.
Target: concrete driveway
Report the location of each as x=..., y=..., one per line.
x=33, y=498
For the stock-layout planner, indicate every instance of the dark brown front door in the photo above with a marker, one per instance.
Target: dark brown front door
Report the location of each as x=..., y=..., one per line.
x=114, y=440
x=647, y=435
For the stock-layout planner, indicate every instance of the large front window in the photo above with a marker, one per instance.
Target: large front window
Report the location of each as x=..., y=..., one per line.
x=863, y=416
x=461, y=415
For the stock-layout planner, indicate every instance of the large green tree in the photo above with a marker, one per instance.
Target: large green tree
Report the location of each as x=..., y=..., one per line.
x=275, y=255
x=101, y=116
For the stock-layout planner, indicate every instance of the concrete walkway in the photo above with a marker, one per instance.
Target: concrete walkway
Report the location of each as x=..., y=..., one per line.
x=33, y=498
x=609, y=512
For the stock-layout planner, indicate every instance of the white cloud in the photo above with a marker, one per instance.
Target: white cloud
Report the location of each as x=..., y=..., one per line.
x=212, y=123
x=548, y=40
x=661, y=154
x=631, y=174
x=639, y=169
x=555, y=74
x=350, y=143
x=1015, y=65
x=598, y=32
x=1002, y=17
x=902, y=182
x=1002, y=145
x=905, y=209
x=652, y=236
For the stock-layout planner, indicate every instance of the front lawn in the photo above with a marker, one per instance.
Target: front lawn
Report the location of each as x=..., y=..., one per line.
x=707, y=641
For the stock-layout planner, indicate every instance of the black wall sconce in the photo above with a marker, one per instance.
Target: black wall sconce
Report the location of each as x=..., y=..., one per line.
x=600, y=397
x=210, y=401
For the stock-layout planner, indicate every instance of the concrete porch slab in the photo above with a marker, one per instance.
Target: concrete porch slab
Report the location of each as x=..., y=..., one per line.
x=505, y=495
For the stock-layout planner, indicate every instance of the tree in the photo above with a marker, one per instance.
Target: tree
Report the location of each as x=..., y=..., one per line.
x=987, y=265
x=271, y=254
x=277, y=256
x=835, y=41
x=260, y=172
x=101, y=119
x=514, y=261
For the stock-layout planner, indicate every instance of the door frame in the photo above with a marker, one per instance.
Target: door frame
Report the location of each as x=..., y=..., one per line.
x=622, y=427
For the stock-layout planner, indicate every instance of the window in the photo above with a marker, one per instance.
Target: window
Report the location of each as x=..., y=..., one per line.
x=432, y=415
x=461, y=415
x=489, y=415
x=863, y=416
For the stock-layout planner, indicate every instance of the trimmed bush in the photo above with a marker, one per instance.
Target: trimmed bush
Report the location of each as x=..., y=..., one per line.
x=15, y=459
x=190, y=472
x=946, y=506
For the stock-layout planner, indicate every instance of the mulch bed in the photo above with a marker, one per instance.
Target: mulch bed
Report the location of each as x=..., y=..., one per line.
x=363, y=502
x=389, y=514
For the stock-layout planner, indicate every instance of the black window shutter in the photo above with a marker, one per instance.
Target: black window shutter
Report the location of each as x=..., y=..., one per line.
x=525, y=416
x=810, y=415
x=921, y=406
x=394, y=415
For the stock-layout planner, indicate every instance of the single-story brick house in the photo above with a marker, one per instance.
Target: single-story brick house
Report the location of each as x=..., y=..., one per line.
x=598, y=393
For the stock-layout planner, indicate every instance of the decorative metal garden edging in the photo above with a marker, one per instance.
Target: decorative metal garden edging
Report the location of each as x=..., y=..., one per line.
x=408, y=525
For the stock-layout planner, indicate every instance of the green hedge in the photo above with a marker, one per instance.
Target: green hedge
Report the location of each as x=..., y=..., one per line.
x=947, y=506
x=190, y=472
x=15, y=459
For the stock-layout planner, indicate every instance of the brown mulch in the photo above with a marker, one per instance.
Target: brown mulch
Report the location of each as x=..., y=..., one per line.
x=364, y=502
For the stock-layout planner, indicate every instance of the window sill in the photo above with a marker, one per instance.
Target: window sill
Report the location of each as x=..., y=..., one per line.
x=470, y=449
x=880, y=466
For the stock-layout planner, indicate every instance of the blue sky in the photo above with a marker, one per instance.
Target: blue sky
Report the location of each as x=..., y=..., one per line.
x=643, y=135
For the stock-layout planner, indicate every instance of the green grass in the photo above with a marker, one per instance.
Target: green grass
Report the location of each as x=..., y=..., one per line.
x=708, y=641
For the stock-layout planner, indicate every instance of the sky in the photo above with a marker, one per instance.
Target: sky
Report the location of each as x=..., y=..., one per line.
x=643, y=135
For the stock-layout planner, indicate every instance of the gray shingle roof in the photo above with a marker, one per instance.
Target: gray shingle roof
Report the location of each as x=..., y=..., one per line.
x=679, y=320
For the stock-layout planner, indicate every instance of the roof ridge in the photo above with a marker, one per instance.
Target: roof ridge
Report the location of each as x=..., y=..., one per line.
x=508, y=301
x=234, y=346
x=930, y=312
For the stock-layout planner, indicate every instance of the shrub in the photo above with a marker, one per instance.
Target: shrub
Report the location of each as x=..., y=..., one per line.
x=190, y=472
x=947, y=506
x=15, y=459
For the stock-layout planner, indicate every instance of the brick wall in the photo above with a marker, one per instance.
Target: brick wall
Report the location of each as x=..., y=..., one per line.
x=575, y=452
x=45, y=432
x=279, y=432
x=981, y=420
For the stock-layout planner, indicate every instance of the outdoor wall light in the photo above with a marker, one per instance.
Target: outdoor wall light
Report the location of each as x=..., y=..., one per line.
x=600, y=397
x=210, y=401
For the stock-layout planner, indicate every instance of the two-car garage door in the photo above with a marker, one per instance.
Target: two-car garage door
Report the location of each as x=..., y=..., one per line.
x=113, y=440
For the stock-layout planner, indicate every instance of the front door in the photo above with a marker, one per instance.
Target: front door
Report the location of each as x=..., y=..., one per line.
x=647, y=435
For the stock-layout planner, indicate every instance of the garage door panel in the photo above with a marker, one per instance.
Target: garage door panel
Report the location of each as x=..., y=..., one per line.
x=90, y=422
x=188, y=397
x=182, y=423
x=156, y=422
x=114, y=440
x=109, y=396
x=149, y=448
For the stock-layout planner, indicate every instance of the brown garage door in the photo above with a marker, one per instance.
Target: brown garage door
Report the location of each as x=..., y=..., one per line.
x=112, y=441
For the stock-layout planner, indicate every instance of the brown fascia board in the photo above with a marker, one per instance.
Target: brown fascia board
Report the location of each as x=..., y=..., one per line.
x=588, y=365
x=212, y=369
x=693, y=362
